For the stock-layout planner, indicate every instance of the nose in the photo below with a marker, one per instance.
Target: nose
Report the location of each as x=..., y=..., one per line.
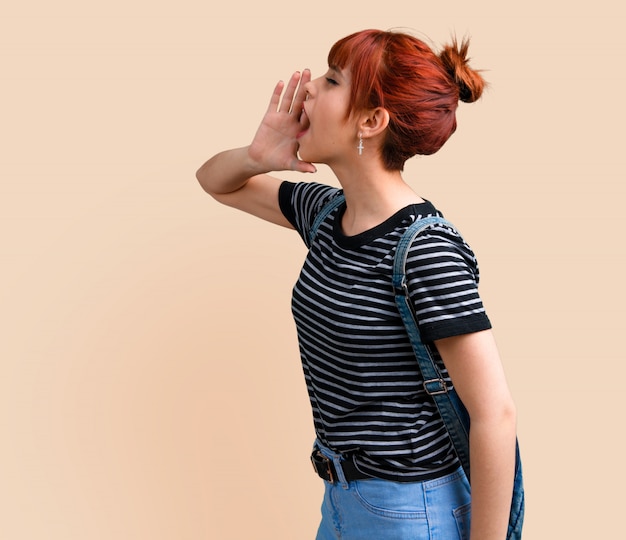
x=309, y=89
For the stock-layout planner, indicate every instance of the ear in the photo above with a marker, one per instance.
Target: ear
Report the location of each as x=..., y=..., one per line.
x=373, y=122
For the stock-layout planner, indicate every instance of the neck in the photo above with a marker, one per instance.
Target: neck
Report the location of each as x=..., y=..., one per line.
x=373, y=194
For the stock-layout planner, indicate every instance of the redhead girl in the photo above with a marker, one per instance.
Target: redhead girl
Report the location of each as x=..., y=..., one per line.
x=388, y=465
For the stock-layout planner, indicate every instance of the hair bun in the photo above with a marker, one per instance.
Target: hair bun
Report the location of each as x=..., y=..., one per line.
x=456, y=62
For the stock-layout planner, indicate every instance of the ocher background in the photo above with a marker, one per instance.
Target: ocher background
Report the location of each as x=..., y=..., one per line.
x=150, y=384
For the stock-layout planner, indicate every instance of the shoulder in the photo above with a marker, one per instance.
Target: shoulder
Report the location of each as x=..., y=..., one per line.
x=306, y=193
x=442, y=279
x=301, y=203
x=439, y=245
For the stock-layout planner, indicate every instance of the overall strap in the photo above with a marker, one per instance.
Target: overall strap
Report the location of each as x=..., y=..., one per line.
x=323, y=214
x=449, y=405
x=451, y=409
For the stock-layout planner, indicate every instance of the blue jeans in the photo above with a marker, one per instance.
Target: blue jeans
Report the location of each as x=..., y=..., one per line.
x=376, y=509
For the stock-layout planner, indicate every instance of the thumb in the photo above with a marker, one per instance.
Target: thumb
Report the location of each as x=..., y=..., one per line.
x=304, y=166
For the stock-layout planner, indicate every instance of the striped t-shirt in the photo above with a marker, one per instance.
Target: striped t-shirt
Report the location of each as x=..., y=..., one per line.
x=362, y=378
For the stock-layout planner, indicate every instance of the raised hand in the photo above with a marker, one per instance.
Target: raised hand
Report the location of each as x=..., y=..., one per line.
x=275, y=146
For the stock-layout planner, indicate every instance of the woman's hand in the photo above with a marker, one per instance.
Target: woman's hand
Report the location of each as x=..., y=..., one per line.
x=275, y=145
x=239, y=177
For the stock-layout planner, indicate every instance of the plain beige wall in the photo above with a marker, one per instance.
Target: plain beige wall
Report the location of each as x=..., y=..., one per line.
x=150, y=384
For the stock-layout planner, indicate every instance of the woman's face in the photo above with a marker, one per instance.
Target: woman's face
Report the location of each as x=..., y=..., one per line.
x=330, y=134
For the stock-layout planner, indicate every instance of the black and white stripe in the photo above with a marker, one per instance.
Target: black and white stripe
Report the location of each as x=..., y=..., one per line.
x=363, y=383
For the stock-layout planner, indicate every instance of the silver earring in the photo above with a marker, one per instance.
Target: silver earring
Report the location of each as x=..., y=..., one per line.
x=360, y=147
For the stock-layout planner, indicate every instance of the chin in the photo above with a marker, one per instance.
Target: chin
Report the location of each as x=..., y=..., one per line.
x=306, y=156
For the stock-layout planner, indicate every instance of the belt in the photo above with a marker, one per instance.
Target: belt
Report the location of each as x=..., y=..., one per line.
x=325, y=468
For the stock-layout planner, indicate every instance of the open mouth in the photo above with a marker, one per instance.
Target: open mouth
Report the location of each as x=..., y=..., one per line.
x=304, y=123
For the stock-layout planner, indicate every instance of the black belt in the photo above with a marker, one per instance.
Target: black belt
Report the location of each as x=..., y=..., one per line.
x=325, y=468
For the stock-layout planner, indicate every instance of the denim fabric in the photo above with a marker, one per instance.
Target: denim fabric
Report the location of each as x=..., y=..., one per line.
x=376, y=509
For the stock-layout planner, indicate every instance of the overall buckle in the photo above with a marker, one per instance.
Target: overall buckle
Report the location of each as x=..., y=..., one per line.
x=435, y=387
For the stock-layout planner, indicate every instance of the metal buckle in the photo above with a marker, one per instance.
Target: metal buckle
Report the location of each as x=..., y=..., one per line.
x=443, y=389
x=317, y=458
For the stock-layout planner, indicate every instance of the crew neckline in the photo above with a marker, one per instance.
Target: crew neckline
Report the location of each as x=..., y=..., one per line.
x=407, y=214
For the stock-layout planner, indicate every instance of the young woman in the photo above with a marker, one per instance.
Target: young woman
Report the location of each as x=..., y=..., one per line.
x=389, y=468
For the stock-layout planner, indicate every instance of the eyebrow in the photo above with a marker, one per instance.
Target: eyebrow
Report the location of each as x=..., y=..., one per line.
x=336, y=69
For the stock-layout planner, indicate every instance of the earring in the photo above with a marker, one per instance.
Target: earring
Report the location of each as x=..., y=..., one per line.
x=360, y=147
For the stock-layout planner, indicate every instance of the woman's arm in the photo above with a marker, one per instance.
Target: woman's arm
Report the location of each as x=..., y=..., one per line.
x=232, y=178
x=474, y=365
x=239, y=178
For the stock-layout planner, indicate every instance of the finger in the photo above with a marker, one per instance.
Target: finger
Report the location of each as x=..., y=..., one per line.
x=307, y=167
x=303, y=166
x=285, y=104
x=275, y=99
x=301, y=95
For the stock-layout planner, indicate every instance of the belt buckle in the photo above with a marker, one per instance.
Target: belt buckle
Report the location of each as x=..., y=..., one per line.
x=319, y=459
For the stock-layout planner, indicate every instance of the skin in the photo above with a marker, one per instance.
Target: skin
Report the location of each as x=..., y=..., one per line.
x=306, y=123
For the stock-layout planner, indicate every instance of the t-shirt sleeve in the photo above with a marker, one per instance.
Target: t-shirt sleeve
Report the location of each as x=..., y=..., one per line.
x=442, y=277
x=301, y=202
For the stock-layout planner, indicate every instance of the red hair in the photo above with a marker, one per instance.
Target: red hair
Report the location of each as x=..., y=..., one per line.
x=418, y=88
